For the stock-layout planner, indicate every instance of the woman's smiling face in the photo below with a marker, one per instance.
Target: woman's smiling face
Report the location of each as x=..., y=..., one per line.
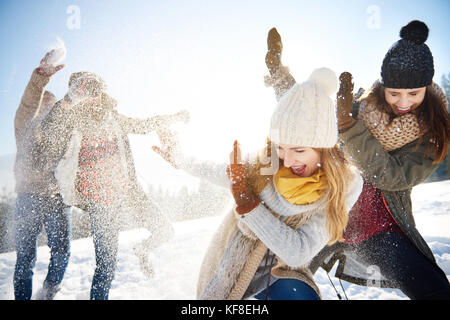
x=302, y=161
x=404, y=100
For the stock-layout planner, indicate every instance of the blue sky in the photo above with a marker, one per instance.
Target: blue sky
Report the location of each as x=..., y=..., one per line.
x=203, y=56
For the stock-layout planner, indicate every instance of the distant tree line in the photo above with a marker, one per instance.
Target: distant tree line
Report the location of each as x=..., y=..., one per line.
x=183, y=204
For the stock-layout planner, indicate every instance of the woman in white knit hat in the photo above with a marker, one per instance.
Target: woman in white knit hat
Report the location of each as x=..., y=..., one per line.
x=282, y=218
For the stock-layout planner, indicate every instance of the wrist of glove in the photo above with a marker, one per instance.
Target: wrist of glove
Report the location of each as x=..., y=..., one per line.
x=345, y=122
x=244, y=197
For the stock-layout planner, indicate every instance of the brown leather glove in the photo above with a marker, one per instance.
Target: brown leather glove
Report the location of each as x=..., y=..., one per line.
x=244, y=197
x=274, y=49
x=280, y=77
x=345, y=102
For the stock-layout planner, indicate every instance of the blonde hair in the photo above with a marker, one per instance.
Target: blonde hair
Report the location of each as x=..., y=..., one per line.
x=336, y=169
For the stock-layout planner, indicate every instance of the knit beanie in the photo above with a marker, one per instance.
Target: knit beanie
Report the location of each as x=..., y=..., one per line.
x=305, y=116
x=409, y=63
x=93, y=83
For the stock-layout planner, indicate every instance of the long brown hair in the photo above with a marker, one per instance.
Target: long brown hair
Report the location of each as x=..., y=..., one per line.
x=432, y=116
x=336, y=169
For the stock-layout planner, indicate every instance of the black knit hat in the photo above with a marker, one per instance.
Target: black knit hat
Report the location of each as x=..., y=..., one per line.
x=409, y=63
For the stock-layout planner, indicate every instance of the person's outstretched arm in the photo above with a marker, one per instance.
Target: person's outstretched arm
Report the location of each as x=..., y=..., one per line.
x=156, y=123
x=32, y=96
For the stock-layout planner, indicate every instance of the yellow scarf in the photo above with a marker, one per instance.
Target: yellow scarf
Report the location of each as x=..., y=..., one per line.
x=299, y=190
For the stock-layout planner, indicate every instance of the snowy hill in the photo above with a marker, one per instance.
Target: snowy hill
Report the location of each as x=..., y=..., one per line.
x=177, y=263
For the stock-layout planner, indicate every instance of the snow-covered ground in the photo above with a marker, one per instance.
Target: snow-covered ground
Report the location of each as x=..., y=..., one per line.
x=177, y=263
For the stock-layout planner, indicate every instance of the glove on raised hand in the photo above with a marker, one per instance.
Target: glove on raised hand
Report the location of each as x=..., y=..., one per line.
x=345, y=102
x=244, y=197
x=274, y=49
x=280, y=78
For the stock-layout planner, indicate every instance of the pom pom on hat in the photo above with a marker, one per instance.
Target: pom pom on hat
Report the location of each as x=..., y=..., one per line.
x=326, y=78
x=415, y=31
x=409, y=62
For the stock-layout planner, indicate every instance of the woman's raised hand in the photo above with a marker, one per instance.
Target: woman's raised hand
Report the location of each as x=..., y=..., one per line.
x=46, y=68
x=244, y=197
x=280, y=78
x=344, y=101
x=169, y=143
x=274, y=49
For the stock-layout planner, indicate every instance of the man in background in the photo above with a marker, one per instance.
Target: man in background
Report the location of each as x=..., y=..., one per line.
x=39, y=203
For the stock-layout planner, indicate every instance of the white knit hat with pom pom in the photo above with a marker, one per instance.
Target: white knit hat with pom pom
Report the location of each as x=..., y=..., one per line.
x=306, y=115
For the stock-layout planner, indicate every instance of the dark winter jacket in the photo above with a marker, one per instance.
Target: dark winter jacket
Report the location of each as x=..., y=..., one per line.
x=395, y=173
